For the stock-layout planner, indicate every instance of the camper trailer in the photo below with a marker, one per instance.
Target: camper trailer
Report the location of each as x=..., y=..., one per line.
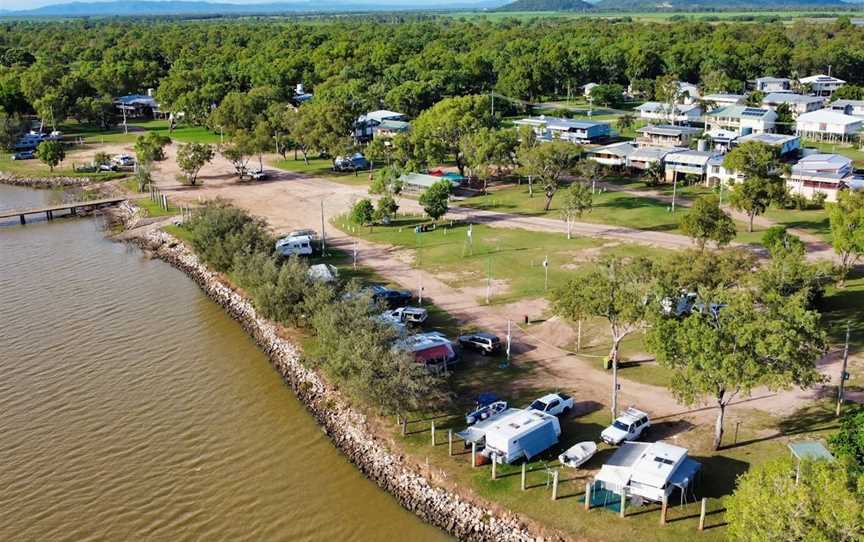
x=517, y=433
x=294, y=246
x=650, y=471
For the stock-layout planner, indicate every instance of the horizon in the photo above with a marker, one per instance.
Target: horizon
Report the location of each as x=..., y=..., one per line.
x=20, y=5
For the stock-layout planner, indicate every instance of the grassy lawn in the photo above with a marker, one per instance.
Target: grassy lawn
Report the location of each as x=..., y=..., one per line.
x=812, y=221
x=842, y=305
x=35, y=168
x=514, y=256
x=183, y=133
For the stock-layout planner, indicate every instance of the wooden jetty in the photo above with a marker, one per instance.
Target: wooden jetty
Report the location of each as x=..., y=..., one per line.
x=49, y=210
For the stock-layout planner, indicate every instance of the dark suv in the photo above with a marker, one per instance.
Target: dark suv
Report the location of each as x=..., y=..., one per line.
x=485, y=343
x=392, y=298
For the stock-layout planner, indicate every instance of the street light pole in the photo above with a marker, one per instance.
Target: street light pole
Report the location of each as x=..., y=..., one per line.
x=840, y=389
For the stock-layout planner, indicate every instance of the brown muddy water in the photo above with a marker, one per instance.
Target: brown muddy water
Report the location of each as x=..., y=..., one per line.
x=134, y=408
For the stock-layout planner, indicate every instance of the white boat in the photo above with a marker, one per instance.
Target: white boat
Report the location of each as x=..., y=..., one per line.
x=578, y=454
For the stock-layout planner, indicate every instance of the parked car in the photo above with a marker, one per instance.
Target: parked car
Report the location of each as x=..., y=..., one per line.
x=350, y=163
x=553, y=403
x=393, y=299
x=408, y=315
x=124, y=160
x=23, y=155
x=290, y=246
x=485, y=343
x=630, y=425
x=258, y=175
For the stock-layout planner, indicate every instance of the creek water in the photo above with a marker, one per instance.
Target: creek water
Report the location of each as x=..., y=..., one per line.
x=133, y=408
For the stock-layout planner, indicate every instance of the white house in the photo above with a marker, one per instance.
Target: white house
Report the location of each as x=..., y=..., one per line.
x=364, y=126
x=665, y=135
x=689, y=92
x=683, y=113
x=721, y=100
x=797, y=103
x=823, y=85
x=741, y=119
x=849, y=107
x=576, y=131
x=828, y=124
x=718, y=175
x=687, y=162
x=615, y=155
x=826, y=173
x=773, y=84
x=648, y=471
x=644, y=157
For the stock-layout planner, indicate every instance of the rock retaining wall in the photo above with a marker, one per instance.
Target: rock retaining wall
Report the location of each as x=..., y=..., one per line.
x=346, y=427
x=44, y=182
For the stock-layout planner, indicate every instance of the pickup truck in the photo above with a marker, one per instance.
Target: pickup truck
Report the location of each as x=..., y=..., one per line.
x=408, y=315
x=554, y=404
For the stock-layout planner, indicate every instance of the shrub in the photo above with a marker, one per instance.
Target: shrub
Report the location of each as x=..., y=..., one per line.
x=219, y=231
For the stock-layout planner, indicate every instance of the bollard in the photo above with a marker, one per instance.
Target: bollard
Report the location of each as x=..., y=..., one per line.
x=473, y=455
x=494, y=468
x=404, y=425
x=449, y=442
x=663, y=509
x=622, y=512
x=433, y=433
x=524, y=472
x=555, y=485
x=702, y=514
x=587, y=496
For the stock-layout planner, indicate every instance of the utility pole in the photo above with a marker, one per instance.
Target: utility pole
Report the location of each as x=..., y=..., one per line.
x=674, y=188
x=614, y=386
x=546, y=271
x=488, y=279
x=843, y=374
x=323, y=233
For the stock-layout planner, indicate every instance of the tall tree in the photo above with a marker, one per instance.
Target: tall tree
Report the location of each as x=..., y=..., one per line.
x=706, y=221
x=238, y=150
x=548, y=163
x=191, y=157
x=435, y=200
x=762, y=183
x=615, y=290
x=733, y=345
x=437, y=132
x=51, y=153
x=577, y=201
x=486, y=149
x=847, y=230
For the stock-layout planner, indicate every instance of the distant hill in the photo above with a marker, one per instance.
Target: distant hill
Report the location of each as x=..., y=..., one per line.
x=546, y=5
x=719, y=5
x=132, y=8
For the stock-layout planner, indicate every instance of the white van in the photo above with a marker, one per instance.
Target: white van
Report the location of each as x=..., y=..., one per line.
x=289, y=246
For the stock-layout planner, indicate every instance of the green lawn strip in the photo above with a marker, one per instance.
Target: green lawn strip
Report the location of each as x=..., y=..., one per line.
x=321, y=167
x=842, y=305
x=812, y=221
x=182, y=133
x=35, y=168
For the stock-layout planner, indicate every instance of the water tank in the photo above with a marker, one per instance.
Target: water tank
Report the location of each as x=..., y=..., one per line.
x=701, y=145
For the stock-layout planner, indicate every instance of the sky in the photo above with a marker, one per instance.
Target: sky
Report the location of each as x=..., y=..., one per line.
x=29, y=4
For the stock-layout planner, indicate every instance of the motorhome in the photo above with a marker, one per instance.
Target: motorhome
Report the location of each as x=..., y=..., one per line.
x=294, y=246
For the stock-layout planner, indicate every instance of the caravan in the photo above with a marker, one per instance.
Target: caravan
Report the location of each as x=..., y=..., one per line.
x=515, y=434
x=294, y=246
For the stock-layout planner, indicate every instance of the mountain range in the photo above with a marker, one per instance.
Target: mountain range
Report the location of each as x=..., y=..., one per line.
x=197, y=7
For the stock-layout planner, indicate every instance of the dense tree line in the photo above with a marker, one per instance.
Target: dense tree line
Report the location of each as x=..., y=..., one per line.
x=61, y=69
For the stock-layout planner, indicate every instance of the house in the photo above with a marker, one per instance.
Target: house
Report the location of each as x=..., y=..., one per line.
x=419, y=182
x=665, y=135
x=575, y=131
x=826, y=173
x=390, y=128
x=786, y=145
x=684, y=113
x=741, y=119
x=849, y=107
x=644, y=157
x=586, y=89
x=822, y=85
x=648, y=471
x=773, y=84
x=686, y=162
x=828, y=124
x=718, y=175
x=722, y=100
x=797, y=103
x=689, y=92
x=615, y=155
x=722, y=140
x=364, y=126
x=137, y=106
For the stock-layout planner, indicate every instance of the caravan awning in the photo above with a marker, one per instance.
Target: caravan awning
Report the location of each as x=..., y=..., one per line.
x=471, y=434
x=684, y=474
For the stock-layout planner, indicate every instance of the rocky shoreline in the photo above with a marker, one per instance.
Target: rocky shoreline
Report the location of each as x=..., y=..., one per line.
x=348, y=429
x=44, y=182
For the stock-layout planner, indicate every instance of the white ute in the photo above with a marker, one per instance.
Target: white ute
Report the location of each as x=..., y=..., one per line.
x=555, y=404
x=630, y=425
x=407, y=315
